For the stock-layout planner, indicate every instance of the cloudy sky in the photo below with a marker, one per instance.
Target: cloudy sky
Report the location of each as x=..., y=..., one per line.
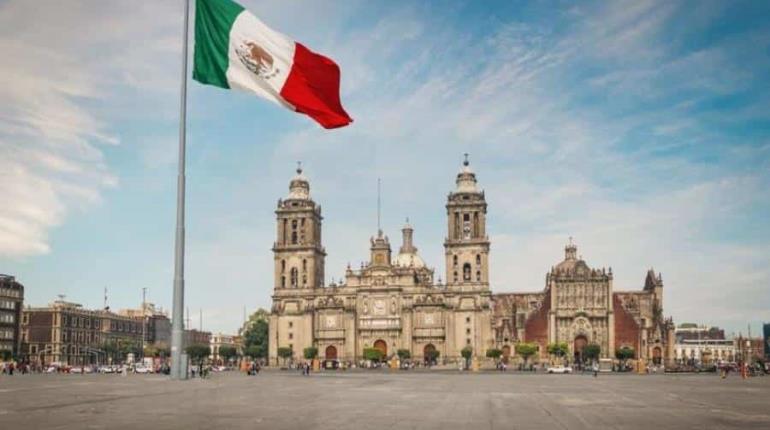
x=640, y=128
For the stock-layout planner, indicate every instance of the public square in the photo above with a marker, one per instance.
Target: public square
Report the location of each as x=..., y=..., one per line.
x=385, y=399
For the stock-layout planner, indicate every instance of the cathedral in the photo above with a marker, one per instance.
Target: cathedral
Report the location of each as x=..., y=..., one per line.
x=393, y=302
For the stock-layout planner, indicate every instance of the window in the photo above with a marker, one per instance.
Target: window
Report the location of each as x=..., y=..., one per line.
x=457, y=225
x=283, y=266
x=476, y=232
x=468, y=320
x=455, y=276
x=467, y=341
x=478, y=259
x=283, y=281
x=467, y=331
x=294, y=238
x=478, y=276
x=454, y=261
x=291, y=336
x=293, y=276
x=304, y=280
x=466, y=272
x=291, y=324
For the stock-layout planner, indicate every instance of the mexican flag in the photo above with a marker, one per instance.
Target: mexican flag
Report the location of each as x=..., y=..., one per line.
x=234, y=49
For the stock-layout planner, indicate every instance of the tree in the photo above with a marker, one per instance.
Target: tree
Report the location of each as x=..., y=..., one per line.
x=198, y=352
x=310, y=352
x=285, y=353
x=373, y=354
x=431, y=356
x=526, y=350
x=254, y=351
x=467, y=353
x=5, y=355
x=227, y=352
x=404, y=354
x=255, y=333
x=592, y=351
x=625, y=353
x=558, y=349
x=494, y=353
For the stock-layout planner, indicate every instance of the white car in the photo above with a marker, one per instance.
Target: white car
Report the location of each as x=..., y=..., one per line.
x=559, y=369
x=142, y=369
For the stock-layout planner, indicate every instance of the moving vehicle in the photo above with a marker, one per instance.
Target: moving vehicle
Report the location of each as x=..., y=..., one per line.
x=559, y=369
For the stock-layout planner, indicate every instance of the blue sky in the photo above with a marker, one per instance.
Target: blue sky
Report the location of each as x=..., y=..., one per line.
x=640, y=128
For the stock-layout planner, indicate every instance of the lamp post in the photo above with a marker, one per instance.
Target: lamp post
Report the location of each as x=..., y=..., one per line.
x=144, y=318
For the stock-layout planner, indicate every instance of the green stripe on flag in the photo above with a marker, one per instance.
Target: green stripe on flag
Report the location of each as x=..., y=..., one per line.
x=213, y=21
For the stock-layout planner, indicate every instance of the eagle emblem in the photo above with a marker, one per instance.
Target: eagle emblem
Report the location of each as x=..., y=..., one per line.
x=257, y=60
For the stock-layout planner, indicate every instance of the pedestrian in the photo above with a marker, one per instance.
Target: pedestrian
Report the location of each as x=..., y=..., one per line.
x=596, y=370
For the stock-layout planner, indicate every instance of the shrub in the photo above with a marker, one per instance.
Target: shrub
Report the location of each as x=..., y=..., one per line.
x=310, y=352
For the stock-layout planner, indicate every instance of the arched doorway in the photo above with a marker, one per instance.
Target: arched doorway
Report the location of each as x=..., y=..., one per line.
x=429, y=354
x=506, y=353
x=580, y=343
x=657, y=355
x=331, y=353
x=382, y=346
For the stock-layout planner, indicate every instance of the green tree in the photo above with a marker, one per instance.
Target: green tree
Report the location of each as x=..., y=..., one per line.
x=558, y=349
x=404, y=354
x=624, y=353
x=592, y=351
x=227, y=353
x=431, y=355
x=198, y=352
x=467, y=353
x=310, y=352
x=255, y=333
x=494, y=353
x=5, y=355
x=110, y=349
x=285, y=353
x=254, y=351
x=373, y=354
x=526, y=350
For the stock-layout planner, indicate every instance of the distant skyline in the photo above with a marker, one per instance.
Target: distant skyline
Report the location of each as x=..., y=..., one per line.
x=640, y=128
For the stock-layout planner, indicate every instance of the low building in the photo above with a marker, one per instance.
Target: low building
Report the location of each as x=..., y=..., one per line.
x=691, y=331
x=705, y=351
x=65, y=333
x=157, y=326
x=753, y=347
x=11, y=304
x=196, y=337
x=219, y=340
x=701, y=344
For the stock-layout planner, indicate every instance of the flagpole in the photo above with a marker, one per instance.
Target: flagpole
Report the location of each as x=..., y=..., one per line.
x=178, y=357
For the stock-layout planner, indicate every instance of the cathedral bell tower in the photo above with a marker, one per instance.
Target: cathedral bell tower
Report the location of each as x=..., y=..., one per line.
x=467, y=245
x=297, y=252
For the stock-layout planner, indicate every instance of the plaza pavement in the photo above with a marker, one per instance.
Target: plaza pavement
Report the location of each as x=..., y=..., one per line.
x=384, y=399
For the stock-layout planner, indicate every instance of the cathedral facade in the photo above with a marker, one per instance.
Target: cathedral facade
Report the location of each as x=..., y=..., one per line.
x=393, y=302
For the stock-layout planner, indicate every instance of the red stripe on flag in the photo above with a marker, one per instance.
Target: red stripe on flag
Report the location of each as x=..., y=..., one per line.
x=313, y=88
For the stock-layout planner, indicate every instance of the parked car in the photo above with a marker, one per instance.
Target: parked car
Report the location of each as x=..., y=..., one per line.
x=559, y=369
x=142, y=369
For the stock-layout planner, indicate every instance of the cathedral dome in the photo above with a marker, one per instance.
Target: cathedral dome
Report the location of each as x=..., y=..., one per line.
x=407, y=259
x=407, y=255
x=571, y=262
x=299, y=187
